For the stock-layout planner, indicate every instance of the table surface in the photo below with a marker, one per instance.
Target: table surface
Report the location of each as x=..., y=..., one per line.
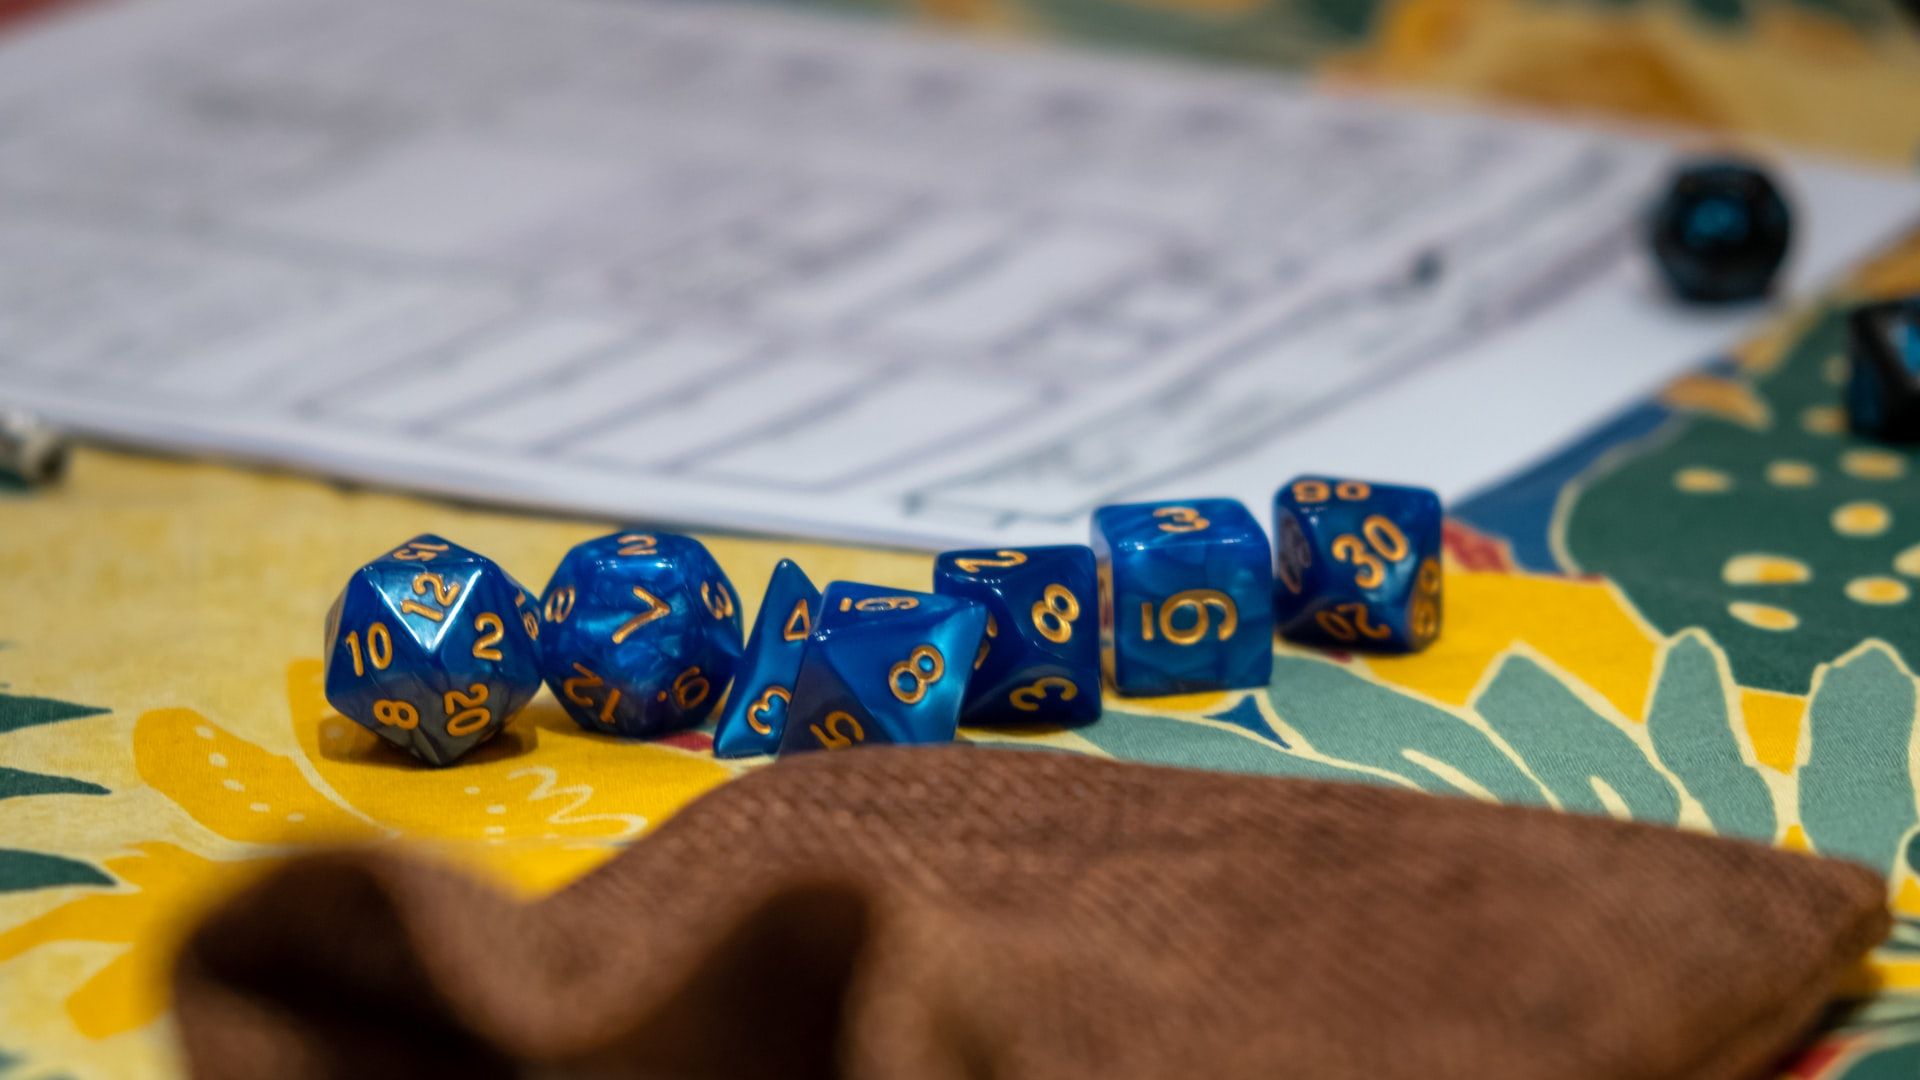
x=1702, y=615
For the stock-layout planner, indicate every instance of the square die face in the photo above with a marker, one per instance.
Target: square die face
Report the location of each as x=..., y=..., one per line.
x=1358, y=564
x=883, y=666
x=1040, y=660
x=1186, y=597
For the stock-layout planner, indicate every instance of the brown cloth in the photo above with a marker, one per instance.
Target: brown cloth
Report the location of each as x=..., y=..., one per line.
x=962, y=912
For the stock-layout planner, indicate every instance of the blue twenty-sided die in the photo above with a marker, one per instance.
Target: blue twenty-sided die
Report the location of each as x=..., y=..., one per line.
x=883, y=666
x=1040, y=660
x=1720, y=232
x=755, y=712
x=641, y=633
x=1358, y=564
x=1185, y=596
x=433, y=648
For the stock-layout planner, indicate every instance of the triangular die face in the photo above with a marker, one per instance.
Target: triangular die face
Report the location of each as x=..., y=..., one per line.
x=428, y=549
x=426, y=601
x=799, y=621
x=369, y=646
x=820, y=691
x=863, y=624
x=849, y=603
x=790, y=608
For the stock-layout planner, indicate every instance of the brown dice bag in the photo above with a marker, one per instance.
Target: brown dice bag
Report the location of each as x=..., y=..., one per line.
x=961, y=912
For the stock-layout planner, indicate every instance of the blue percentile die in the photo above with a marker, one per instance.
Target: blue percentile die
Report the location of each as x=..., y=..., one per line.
x=1040, y=660
x=641, y=635
x=433, y=648
x=883, y=666
x=1185, y=597
x=1357, y=564
x=756, y=709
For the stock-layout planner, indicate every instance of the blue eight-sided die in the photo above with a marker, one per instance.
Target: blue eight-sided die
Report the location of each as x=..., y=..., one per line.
x=1357, y=564
x=1185, y=596
x=1040, y=661
x=883, y=666
x=756, y=709
x=433, y=648
x=642, y=633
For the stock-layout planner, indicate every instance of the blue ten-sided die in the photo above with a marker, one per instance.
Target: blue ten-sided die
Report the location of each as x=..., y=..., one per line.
x=641, y=633
x=433, y=648
x=1358, y=564
x=1185, y=597
x=883, y=666
x=1040, y=660
x=755, y=712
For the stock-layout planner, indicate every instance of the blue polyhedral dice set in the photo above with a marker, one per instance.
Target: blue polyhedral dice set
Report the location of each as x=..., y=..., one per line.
x=434, y=647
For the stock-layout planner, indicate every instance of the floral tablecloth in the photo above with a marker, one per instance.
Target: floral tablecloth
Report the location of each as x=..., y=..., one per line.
x=1704, y=614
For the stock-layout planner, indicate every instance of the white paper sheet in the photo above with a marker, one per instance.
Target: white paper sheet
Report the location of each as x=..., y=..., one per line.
x=749, y=268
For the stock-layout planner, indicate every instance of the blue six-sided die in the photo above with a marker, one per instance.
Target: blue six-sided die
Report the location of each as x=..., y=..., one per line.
x=1185, y=596
x=756, y=709
x=1040, y=660
x=433, y=648
x=1357, y=564
x=642, y=633
x=883, y=666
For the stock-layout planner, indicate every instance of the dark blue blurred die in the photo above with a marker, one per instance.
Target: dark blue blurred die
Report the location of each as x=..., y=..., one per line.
x=755, y=714
x=1185, y=597
x=1883, y=380
x=1040, y=660
x=433, y=648
x=1720, y=232
x=1357, y=564
x=883, y=666
x=642, y=633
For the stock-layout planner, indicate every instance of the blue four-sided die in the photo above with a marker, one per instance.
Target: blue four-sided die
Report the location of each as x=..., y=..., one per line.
x=1357, y=565
x=756, y=709
x=1185, y=596
x=1040, y=660
x=883, y=666
x=433, y=648
x=642, y=633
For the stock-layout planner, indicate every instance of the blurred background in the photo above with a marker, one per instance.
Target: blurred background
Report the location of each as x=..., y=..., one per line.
x=1838, y=75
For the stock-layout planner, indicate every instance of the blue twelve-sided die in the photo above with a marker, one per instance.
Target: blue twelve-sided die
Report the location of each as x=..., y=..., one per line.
x=1185, y=596
x=433, y=648
x=883, y=666
x=1357, y=564
x=642, y=633
x=1040, y=659
x=756, y=709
